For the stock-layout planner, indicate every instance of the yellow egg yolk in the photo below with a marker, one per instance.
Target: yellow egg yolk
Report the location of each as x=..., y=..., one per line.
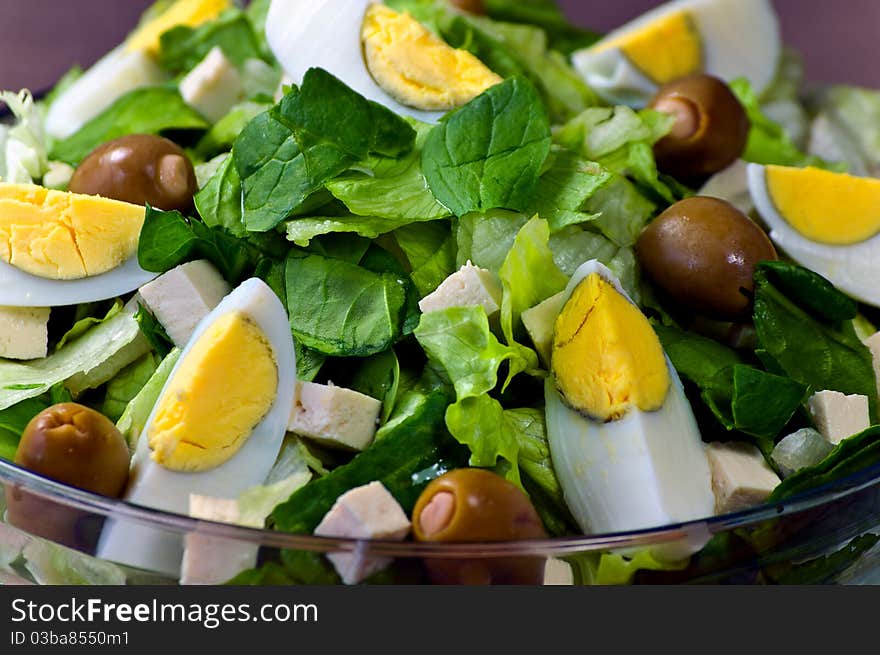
x=417, y=68
x=190, y=13
x=220, y=392
x=65, y=236
x=665, y=50
x=606, y=358
x=833, y=208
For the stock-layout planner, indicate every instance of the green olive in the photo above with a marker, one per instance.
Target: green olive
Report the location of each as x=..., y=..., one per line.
x=467, y=505
x=141, y=169
x=75, y=445
x=702, y=253
x=470, y=6
x=710, y=131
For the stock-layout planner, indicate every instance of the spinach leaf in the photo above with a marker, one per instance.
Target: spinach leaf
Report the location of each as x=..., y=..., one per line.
x=822, y=354
x=812, y=291
x=489, y=153
x=149, y=110
x=181, y=48
x=378, y=377
x=313, y=135
x=168, y=240
x=342, y=309
x=764, y=403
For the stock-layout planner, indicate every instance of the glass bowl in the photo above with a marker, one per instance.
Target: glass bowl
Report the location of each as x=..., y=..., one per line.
x=827, y=535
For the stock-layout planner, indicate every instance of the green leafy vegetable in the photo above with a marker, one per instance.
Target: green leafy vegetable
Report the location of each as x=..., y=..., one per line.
x=478, y=423
x=84, y=356
x=83, y=325
x=485, y=239
x=820, y=353
x=136, y=413
x=313, y=135
x=155, y=334
x=219, y=201
x=168, y=239
x=489, y=153
x=126, y=386
x=224, y=132
x=338, y=308
x=149, y=110
x=430, y=251
x=181, y=48
x=564, y=189
x=563, y=34
x=379, y=377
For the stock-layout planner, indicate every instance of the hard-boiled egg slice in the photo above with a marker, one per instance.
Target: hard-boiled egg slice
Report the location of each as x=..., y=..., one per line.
x=238, y=366
x=828, y=222
x=60, y=248
x=725, y=38
x=630, y=456
x=386, y=56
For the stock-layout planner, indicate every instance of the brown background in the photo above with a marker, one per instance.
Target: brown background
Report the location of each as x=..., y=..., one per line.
x=40, y=39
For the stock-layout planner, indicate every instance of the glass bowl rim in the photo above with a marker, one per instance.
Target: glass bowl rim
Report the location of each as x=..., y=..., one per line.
x=78, y=499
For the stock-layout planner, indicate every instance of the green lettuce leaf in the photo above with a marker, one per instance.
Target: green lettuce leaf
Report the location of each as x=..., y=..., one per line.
x=127, y=385
x=83, y=357
x=83, y=325
x=219, y=201
x=430, y=251
x=484, y=239
x=136, y=413
x=564, y=189
x=478, y=423
x=150, y=110
x=224, y=132
x=563, y=35
x=851, y=117
x=459, y=340
x=489, y=153
x=14, y=419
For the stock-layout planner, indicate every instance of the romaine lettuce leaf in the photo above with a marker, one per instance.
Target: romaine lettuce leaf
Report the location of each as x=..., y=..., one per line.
x=136, y=413
x=564, y=189
x=484, y=239
x=126, y=386
x=81, y=356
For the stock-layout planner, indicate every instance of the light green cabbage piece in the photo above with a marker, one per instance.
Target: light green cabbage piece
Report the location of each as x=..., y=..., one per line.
x=83, y=357
x=51, y=564
x=23, y=152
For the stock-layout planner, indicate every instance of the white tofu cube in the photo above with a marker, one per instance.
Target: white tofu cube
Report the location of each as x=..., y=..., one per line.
x=741, y=477
x=183, y=296
x=873, y=344
x=24, y=332
x=213, y=87
x=470, y=286
x=838, y=416
x=334, y=416
x=540, y=321
x=367, y=512
x=558, y=573
x=210, y=560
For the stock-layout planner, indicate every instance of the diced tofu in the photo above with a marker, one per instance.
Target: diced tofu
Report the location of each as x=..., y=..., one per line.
x=210, y=560
x=213, y=87
x=24, y=332
x=470, y=286
x=800, y=449
x=183, y=296
x=838, y=416
x=873, y=344
x=367, y=512
x=334, y=416
x=539, y=322
x=58, y=176
x=741, y=477
x=557, y=572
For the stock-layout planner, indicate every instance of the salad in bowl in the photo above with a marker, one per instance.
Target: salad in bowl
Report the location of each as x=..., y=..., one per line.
x=448, y=292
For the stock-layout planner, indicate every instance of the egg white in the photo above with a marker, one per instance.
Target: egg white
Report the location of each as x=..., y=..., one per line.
x=645, y=470
x=21, y=289
x=741, y=38
x=326, y=34
x=152, y=485
x=854, y=268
